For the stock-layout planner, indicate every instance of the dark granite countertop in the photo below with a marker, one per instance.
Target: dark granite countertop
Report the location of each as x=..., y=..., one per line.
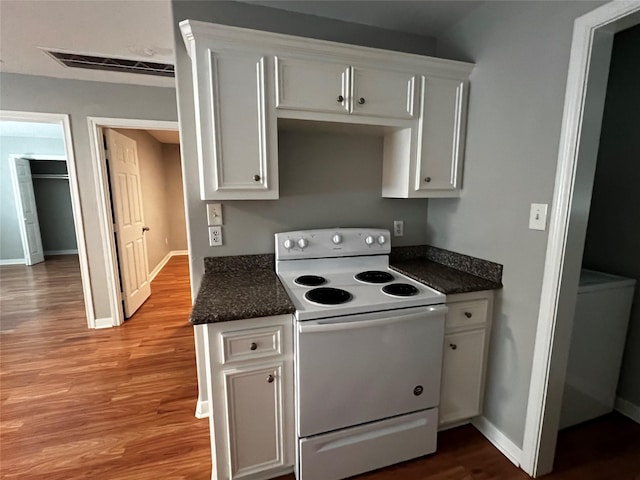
x=238, y=294
x=246, y=286
x=442, y=278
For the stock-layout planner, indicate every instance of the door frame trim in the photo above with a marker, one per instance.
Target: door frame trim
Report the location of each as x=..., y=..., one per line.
x=552, y=342
x=76, y=206
x=103, y=213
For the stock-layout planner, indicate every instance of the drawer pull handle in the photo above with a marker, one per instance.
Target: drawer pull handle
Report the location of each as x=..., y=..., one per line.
x=256, y=178
x=361, y=100
x=427, y=179
x=453, y=346
x=340, y=99
x=253, y=346
x=468, y=314
x=270, y=378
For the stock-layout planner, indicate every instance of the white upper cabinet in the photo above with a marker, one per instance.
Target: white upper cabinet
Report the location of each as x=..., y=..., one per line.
x=382, y=93
x=317, y=85
x=246, y=80
x=312, y=85
x=441, y=135
x=236, y=127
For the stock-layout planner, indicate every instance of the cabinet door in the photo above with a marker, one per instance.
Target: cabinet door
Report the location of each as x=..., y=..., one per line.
x=382, y=93
x=311, y=85
x=441, y=130
x=236, y=126
x=254, y=401
x=462, y=367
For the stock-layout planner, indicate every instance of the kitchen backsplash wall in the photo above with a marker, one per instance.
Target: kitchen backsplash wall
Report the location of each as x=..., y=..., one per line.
x=326, y=180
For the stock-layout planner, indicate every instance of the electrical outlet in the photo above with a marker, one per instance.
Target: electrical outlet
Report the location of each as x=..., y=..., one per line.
x=215, y=236
x=398, y=228
x=538, y=216
x=214, y=214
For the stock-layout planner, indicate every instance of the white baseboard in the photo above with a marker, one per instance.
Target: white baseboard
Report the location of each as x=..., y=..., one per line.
x=164, y=261
x=628, y=409
x=49, y=253
x=12, y=261
x=498, y=439
x=104, y=322
x=202, y=409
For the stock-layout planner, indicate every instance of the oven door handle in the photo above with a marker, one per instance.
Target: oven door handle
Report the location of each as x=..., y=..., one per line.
x=329, y=325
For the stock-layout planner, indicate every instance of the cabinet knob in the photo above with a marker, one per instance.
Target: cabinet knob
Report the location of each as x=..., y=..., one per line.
x=340, y=99
x=361, y=100
x=270, y=378
x=468, y=314
x=256, y=178
x=427, y=179
x=453, y=346
x=253, y=346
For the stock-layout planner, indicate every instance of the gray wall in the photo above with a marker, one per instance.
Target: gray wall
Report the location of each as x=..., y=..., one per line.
x=613, y=233
x=516, y=101
x=174, y=194
x=325, y=179
x=55, y=215
x=81, y=99
x=10, y=242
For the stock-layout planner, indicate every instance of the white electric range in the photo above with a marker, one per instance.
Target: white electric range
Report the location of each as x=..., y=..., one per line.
x=368, y=347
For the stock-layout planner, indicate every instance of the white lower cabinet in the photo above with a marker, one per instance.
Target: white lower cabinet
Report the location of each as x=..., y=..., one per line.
x=251, y=426
x=466, y=342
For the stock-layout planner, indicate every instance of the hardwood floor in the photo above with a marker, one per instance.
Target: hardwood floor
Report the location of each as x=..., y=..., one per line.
x=118, y=404
x=103, y=404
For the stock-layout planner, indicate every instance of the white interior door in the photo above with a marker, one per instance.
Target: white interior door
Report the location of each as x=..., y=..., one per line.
x=126, y=196
x=27, y=213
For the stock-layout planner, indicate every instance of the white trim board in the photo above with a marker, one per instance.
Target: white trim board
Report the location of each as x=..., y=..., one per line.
x=498, y=439
x=164, y=261
x=12, y=261
x=74, y=191
x=592, y=36
x=95, y=125
x=202, y=409
x=628, y=409
x=53, y=253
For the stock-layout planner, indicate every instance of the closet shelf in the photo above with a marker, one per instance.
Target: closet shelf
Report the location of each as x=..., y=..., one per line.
x=56, y=176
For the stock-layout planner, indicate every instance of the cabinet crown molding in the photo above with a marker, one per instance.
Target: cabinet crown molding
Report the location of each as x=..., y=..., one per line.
x=277, y=43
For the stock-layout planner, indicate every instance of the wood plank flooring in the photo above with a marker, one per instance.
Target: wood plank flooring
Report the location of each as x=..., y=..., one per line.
x=118, y=404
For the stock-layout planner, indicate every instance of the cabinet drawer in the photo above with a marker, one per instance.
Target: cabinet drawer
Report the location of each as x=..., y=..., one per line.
x=251, y=344
x=466, y=314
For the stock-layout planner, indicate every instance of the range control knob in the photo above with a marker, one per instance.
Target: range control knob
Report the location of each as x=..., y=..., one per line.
x=382, y=239
x=336, y=239
x=289, y=244
x=369, y=240
x=303, y=242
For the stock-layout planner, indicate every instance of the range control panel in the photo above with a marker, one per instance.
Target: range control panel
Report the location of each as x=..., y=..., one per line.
x=332, y=242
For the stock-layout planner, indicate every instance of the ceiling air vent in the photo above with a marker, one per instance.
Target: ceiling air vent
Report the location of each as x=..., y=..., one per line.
x=122, y=65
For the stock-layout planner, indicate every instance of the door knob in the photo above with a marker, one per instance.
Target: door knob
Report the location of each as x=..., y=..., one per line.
x=145, y=229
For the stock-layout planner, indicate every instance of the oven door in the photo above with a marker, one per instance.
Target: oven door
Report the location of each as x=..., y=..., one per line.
x=360, y=368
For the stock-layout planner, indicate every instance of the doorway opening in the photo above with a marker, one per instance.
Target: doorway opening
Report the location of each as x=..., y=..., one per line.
x=41, y=216
x=142, y=213
x=589, y=68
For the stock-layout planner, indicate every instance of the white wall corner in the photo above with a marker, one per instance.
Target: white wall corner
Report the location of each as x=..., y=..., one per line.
x=628, y=409
x=498, y=439
x=106, y=322
x=202, y=409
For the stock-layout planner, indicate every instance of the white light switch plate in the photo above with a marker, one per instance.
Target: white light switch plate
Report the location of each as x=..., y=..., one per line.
x=215, y=236
x=538, y=216
x=214, y=214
